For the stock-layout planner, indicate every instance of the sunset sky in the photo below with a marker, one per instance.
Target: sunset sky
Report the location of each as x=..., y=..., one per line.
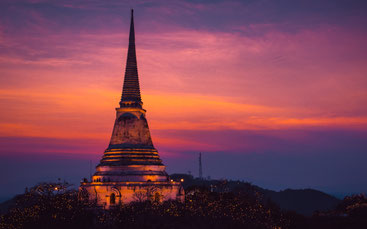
x=271, y=92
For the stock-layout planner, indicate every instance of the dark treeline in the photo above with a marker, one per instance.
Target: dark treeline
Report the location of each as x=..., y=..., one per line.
x=302, y=201
x=56, y=206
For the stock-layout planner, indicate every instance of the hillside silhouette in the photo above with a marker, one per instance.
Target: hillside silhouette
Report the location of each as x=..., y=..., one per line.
x=302, y=201
x=208, y=204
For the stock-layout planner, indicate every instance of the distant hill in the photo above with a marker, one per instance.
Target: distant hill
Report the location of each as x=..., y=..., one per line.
x=302, y=201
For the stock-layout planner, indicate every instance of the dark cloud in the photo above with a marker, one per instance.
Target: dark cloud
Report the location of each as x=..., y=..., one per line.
x=81, y=16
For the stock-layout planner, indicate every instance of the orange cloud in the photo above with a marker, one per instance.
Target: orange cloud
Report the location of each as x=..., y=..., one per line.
x=89, y=113
x=197, y=80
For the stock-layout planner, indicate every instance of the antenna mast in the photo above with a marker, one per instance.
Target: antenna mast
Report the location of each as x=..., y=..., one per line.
x=200, y=168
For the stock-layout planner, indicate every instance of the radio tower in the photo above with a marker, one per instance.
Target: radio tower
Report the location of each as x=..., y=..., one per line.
x=200, y=168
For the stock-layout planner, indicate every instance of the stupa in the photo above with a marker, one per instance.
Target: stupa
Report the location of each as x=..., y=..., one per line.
x=130, y=169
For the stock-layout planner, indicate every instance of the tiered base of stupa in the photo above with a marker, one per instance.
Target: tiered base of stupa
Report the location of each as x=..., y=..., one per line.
x=127, y=175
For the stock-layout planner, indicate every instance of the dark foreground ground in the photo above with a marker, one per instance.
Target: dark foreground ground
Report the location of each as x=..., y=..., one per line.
x=219, y=205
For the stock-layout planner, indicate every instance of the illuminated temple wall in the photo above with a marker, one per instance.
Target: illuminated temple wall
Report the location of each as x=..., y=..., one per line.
x=131, y=127
x=103, y=193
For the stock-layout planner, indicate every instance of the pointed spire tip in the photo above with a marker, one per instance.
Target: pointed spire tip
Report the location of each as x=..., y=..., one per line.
x=131, y=88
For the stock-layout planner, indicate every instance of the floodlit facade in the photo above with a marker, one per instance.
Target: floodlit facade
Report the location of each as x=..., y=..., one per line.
x=130, y=169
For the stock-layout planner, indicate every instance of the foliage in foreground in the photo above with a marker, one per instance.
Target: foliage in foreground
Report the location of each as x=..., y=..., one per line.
x=53, y=206
x=202, y=209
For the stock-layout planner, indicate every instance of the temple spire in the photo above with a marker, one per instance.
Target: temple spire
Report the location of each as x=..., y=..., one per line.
x=131, y=90
x=130, y=165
